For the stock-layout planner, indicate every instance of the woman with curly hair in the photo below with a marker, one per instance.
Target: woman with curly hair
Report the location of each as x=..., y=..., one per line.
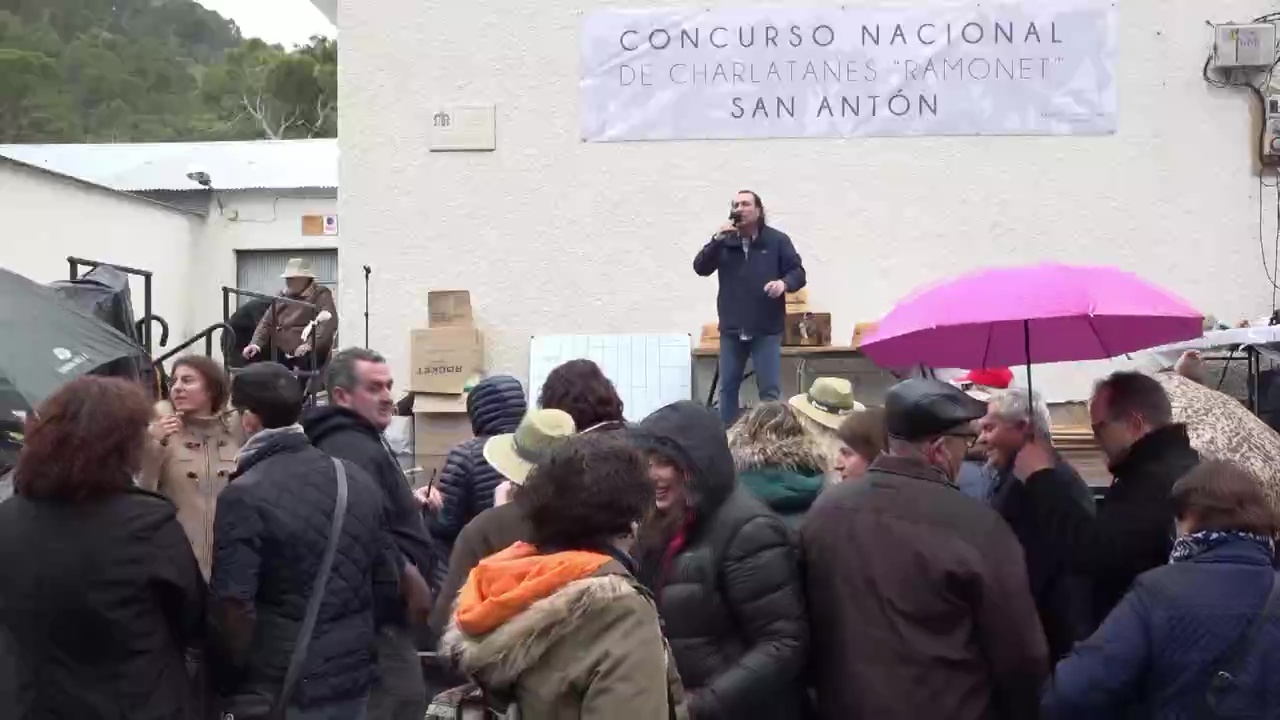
x=101, y=594
x=559, y=625
x=580, y=388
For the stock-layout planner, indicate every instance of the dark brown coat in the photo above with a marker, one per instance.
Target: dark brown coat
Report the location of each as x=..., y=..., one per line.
x=921, y=602
x=281, y=328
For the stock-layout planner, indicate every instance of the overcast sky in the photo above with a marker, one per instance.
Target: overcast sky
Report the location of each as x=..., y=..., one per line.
x=288, y=22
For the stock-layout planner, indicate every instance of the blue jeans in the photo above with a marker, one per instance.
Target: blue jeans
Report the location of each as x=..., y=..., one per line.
x=765, y=352
x=345, y=710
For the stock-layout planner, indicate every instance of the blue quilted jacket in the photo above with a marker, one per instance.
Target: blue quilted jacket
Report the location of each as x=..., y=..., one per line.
x=1153, y=655
x=467, y=482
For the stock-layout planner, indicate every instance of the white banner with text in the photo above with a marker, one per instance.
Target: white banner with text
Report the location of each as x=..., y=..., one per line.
x=1031, y=67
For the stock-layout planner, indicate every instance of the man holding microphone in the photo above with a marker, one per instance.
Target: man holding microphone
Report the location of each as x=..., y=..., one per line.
x=758, y=266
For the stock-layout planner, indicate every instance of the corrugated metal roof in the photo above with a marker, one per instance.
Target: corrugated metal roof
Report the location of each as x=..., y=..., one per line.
x=241, y=165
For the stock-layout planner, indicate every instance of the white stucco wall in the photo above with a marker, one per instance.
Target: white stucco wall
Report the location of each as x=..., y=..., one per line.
x=45, y=218
x=553, y=235
x=250, y=220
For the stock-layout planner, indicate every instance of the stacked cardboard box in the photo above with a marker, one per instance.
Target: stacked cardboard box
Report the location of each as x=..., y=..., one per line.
x=446, y=358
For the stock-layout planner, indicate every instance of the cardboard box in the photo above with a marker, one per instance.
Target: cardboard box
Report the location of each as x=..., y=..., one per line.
x=439, y=422
x=449, y=309
x=710, y=336
x=861, y=331
x=807, y=330
x=442, y=360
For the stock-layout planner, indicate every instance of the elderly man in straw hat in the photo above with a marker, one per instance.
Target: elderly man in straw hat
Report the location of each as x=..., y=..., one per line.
x=292, y=331
x=513, y=455
x=827, y=404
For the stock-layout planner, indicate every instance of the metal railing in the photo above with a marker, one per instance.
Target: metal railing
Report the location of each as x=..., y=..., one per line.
x=227, y=340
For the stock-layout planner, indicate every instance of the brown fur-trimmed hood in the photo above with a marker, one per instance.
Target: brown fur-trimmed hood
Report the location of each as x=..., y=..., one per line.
x=500, y=656
x=794, y=453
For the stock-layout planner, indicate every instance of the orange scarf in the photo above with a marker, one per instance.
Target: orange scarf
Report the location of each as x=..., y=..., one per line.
x=505, y=584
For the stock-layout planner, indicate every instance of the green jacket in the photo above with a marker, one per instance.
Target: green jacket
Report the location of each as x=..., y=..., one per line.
x=787, y=492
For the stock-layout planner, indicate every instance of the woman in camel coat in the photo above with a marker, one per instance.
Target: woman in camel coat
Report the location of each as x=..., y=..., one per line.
x=195, y=449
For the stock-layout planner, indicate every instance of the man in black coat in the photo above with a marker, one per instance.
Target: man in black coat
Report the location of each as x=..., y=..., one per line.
x=1062, y=597
x=1133, y=531
x=359, y=383
x=725, y=574
x=271, y=529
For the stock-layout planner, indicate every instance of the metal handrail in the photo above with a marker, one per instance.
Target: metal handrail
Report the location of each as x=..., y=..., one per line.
x=164, y=327
x=228, y=336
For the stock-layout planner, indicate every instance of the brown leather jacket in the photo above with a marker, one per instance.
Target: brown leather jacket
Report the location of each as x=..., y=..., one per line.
x=191, y=468
x=283, y=323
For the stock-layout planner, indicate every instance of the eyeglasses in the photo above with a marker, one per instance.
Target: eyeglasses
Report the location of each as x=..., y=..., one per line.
x=970, y=439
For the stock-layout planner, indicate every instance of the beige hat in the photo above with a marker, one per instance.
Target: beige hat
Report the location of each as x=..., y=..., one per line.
x=829, y=401
x=297, y=267
x=515, y=454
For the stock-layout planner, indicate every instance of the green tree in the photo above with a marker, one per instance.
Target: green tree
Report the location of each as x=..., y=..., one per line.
x=139, y=70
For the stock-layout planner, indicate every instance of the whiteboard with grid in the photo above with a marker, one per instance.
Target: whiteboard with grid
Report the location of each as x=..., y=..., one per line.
x=649, y=371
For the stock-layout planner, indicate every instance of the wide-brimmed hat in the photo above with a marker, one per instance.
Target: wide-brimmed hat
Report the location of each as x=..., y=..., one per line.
x=828, y=402
x=516, y=454
x=297, y=267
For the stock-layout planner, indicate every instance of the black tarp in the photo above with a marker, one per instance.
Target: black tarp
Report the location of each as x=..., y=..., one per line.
x=104, y=293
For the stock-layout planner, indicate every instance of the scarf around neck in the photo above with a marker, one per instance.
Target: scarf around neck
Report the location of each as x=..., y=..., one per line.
x=1198, y=543
x=263, y=438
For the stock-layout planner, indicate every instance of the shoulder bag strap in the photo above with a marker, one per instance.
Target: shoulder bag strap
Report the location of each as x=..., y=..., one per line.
x=1229, y=663
x=317, y=594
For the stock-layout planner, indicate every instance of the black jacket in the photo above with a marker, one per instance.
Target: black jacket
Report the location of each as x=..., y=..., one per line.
x=467, y=481
x=1133, y=530
x=342, y=433
x=97, y=604
x=270, y=531
x=743, y=305
x=731, y=599
x=1062, y=597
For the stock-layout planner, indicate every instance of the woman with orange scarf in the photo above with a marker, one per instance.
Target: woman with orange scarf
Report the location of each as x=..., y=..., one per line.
x=559, y=626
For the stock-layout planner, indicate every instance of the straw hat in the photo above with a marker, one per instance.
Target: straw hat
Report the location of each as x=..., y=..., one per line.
x=828, y=402
x=515, y=454
x=296, y=268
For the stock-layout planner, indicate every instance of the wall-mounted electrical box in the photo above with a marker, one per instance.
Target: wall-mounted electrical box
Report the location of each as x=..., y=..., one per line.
x=1244, y=46
x=1271, y=131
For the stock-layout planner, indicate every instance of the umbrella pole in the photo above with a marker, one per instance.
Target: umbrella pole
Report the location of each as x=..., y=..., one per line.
x=1026, y=343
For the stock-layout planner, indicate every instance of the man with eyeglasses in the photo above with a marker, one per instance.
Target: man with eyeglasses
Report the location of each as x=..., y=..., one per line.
x=1133, y=531
x=921, y=592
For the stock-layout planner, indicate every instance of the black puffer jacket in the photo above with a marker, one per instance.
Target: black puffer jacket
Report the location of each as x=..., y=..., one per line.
x=467, y=482
x=342, y=433
x=270, y=532
x=732, y=599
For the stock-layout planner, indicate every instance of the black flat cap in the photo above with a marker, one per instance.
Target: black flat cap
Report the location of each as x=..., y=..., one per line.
x=916, y=409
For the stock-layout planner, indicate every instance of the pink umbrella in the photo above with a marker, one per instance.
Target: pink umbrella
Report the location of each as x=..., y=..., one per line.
x=1024, y=315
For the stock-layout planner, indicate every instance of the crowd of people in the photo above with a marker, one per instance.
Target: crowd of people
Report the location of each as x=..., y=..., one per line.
x=228, y=554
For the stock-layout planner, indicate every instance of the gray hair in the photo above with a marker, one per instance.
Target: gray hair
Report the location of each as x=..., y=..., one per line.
x=341, y=372
x=1011, y=406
